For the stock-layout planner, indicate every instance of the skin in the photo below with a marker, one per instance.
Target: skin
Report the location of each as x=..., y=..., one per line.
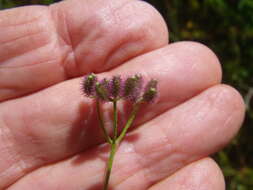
x=49, y=134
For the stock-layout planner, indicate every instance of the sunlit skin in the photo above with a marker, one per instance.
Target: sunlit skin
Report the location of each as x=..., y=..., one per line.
x=49, y=133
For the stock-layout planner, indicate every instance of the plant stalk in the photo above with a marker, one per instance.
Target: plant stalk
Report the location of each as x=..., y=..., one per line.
x=109, y=165
x=101, y=124
x=115, y=120
x=129, y=122
x=117, y=140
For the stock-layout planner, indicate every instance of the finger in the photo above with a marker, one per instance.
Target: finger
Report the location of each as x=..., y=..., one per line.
x=202, y=174
x=59, y=122
x=72, y=38
x=189, y=132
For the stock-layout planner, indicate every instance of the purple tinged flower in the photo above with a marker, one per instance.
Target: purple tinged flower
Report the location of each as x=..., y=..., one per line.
x=150, y=91
x=106, y=84
x=116, y=87
x=133, y=87
x=88, y=85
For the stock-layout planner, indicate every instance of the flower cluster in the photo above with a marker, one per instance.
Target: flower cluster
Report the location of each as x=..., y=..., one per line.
x=116, y=88
x=112, y=90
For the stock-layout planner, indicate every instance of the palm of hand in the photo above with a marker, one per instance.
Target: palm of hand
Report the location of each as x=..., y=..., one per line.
x=49, y=136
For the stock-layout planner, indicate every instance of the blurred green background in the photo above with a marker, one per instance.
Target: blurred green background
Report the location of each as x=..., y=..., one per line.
x=226, y=26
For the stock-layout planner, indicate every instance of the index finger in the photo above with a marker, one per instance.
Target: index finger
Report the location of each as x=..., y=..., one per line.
x=41, y=46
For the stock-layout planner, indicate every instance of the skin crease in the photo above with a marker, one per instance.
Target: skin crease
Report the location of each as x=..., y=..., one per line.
x=48, y=131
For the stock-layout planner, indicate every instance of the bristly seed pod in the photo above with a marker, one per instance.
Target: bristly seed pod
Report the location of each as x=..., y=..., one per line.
x=116, y=87
x=150, y=91
x=133, y=87
x=88, y=85
x=102, y=90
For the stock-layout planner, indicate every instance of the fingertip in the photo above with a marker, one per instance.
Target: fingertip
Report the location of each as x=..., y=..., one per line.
x=201, y=174
x=219, y=180
x=229, y=100
x=200, y=56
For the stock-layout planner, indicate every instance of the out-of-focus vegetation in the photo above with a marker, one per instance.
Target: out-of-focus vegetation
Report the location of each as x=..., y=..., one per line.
x=227, y=28
x=14, y=3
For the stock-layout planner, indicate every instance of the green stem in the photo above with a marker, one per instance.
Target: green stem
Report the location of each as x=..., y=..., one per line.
x=129, y=122
x=115, y=120
x=101, y=124
x=109, y=165
x=116, y=140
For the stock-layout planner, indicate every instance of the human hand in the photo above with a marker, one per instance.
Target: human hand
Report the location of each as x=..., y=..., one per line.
x=49, y=135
